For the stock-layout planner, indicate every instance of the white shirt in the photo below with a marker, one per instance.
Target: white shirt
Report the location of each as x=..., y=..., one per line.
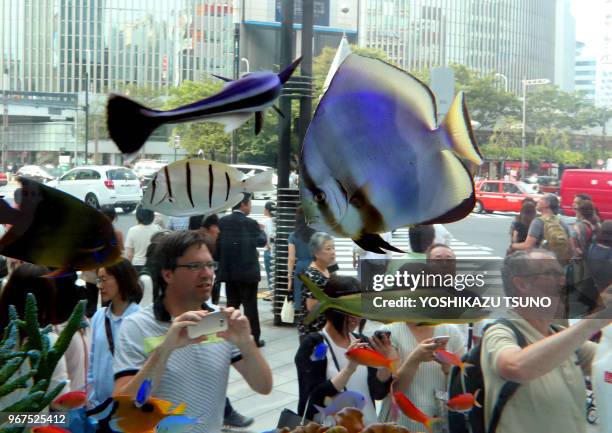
x=358, y=381
x=268, y=228
x=443, y=236
x=139, y=238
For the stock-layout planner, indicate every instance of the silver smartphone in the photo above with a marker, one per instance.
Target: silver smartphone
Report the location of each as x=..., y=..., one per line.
x=208, y=325
x=441, y=340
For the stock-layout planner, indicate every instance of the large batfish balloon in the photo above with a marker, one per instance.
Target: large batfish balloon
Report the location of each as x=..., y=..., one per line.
x=130, y=124
x=195, y=187
x=54, y=229
x=373, y=159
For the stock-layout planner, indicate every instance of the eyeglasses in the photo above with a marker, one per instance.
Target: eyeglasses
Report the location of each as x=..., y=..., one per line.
x=100, y=281
x=199, y=266
x=550, y=273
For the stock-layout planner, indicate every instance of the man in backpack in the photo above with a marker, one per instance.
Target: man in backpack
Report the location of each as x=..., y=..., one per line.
x=548, y=230
x=550, y=367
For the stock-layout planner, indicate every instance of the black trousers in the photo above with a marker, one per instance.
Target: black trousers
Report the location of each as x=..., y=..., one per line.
x=243, y=293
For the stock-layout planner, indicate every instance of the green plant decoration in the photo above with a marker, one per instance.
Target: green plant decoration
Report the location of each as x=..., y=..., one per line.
x=34, y=348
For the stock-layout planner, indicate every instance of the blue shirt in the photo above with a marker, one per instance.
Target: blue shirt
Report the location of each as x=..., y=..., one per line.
x=100, y=374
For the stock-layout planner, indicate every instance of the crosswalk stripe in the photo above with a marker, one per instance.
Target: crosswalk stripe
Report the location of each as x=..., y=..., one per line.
x=344, y=250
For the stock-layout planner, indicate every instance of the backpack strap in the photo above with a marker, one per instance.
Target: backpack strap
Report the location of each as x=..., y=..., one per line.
x=509, y=388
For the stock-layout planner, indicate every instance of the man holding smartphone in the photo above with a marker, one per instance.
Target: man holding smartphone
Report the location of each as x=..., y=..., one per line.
x=155, y=344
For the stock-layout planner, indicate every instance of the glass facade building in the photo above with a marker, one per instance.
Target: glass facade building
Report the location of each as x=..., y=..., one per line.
x=55, y=45
x=513, y=37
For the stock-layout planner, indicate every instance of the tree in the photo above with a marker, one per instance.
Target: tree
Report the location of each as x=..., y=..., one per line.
x=196, y=136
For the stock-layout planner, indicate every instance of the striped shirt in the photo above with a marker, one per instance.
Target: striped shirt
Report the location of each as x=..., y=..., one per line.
x=196, y=374
x=428, y=379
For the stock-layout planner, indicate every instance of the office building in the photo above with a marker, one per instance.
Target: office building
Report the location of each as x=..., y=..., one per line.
x=585, y=73
x=514, y=38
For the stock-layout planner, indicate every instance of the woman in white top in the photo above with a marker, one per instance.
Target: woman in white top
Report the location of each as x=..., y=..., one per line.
x=139, y=237
x=420, y=374
x=329, y=372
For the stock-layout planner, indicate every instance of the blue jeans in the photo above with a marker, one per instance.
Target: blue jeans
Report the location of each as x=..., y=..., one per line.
x=268, y=266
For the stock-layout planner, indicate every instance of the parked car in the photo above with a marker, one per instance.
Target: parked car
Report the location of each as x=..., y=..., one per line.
x=35, y=172
x=251, y=170
x=546, y=184
x=3, y=179
x=145, y=169
x=596, y=183
x=100, y=185
x=502, y=196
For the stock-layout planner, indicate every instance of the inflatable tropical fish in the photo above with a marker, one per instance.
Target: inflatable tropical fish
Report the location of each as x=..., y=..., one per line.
x=54, y=229
x=195, y=187
x=374, y=159
x=126, y=417
x=130, y=124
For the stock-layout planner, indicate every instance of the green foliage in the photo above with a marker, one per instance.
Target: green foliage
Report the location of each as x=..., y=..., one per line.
x=35, y=349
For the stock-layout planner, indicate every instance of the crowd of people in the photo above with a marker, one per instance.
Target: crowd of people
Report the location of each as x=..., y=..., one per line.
x=183, y=264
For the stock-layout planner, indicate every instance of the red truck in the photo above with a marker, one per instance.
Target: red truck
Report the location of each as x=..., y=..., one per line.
x=596, y=183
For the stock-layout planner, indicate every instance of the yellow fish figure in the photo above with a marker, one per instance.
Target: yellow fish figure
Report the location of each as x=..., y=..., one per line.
x=374, y=159
x=126, y=417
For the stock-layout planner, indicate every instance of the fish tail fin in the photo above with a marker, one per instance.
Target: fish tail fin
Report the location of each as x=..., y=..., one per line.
x=286, y=73
x=475, y=397
x=321, y=411
x=393, y=364
x=458, y=127
x=129, y=123
x=430, y=422
x=259, y=182
x=325, y=301
x=464, y=367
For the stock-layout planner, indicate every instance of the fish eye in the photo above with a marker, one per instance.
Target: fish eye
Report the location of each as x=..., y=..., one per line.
x=147, y=407
x=319, y=197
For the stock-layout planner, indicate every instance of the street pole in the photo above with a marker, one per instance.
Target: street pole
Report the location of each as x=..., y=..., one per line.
x=237, y=19
x=177, y=143
x=306, y=67
x=523, y=136
x=526, y=83
x=86, y=112
x=4, y=126
x=284, y=133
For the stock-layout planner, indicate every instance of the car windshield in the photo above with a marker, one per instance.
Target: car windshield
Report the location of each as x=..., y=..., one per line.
x=121, y=174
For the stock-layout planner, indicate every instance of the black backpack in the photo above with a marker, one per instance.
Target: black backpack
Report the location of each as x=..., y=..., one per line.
x=458, y=422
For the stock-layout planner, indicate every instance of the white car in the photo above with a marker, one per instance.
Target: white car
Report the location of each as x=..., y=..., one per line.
x=102, y=185
x=251, y=170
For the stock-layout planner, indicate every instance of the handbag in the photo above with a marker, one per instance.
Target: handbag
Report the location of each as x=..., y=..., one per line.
x=288, y=311
x=291, y=420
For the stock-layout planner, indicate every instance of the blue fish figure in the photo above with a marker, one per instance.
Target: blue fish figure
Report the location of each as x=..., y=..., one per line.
x=176, y=424
x=374, y=159
x=319, y=353
x=144, y=392
x=340, y=401
x=130, y=124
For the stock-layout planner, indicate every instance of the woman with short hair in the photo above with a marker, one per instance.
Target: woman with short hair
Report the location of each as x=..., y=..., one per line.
x=119, y=286
x=324, y=253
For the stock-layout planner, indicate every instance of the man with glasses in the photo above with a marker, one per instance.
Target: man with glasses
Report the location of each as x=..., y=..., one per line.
x=154, y=344
x=550, y=368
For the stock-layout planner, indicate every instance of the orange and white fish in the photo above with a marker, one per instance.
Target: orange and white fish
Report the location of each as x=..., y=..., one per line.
x=372, y=358
x=70, y=400
x=463, y=403
x=451, y=359
x=412, y=412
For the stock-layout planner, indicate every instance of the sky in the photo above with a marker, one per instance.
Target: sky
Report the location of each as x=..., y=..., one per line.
x=589, y=22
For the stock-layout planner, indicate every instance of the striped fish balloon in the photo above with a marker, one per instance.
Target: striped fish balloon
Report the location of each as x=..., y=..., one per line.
x=195, y=187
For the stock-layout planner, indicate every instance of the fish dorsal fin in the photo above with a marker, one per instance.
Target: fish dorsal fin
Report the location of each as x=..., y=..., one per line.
x=286, y=73
x=378, y=76
x=227, y=80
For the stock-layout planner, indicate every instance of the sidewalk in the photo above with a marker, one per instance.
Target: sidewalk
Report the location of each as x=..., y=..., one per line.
x=279, y=351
